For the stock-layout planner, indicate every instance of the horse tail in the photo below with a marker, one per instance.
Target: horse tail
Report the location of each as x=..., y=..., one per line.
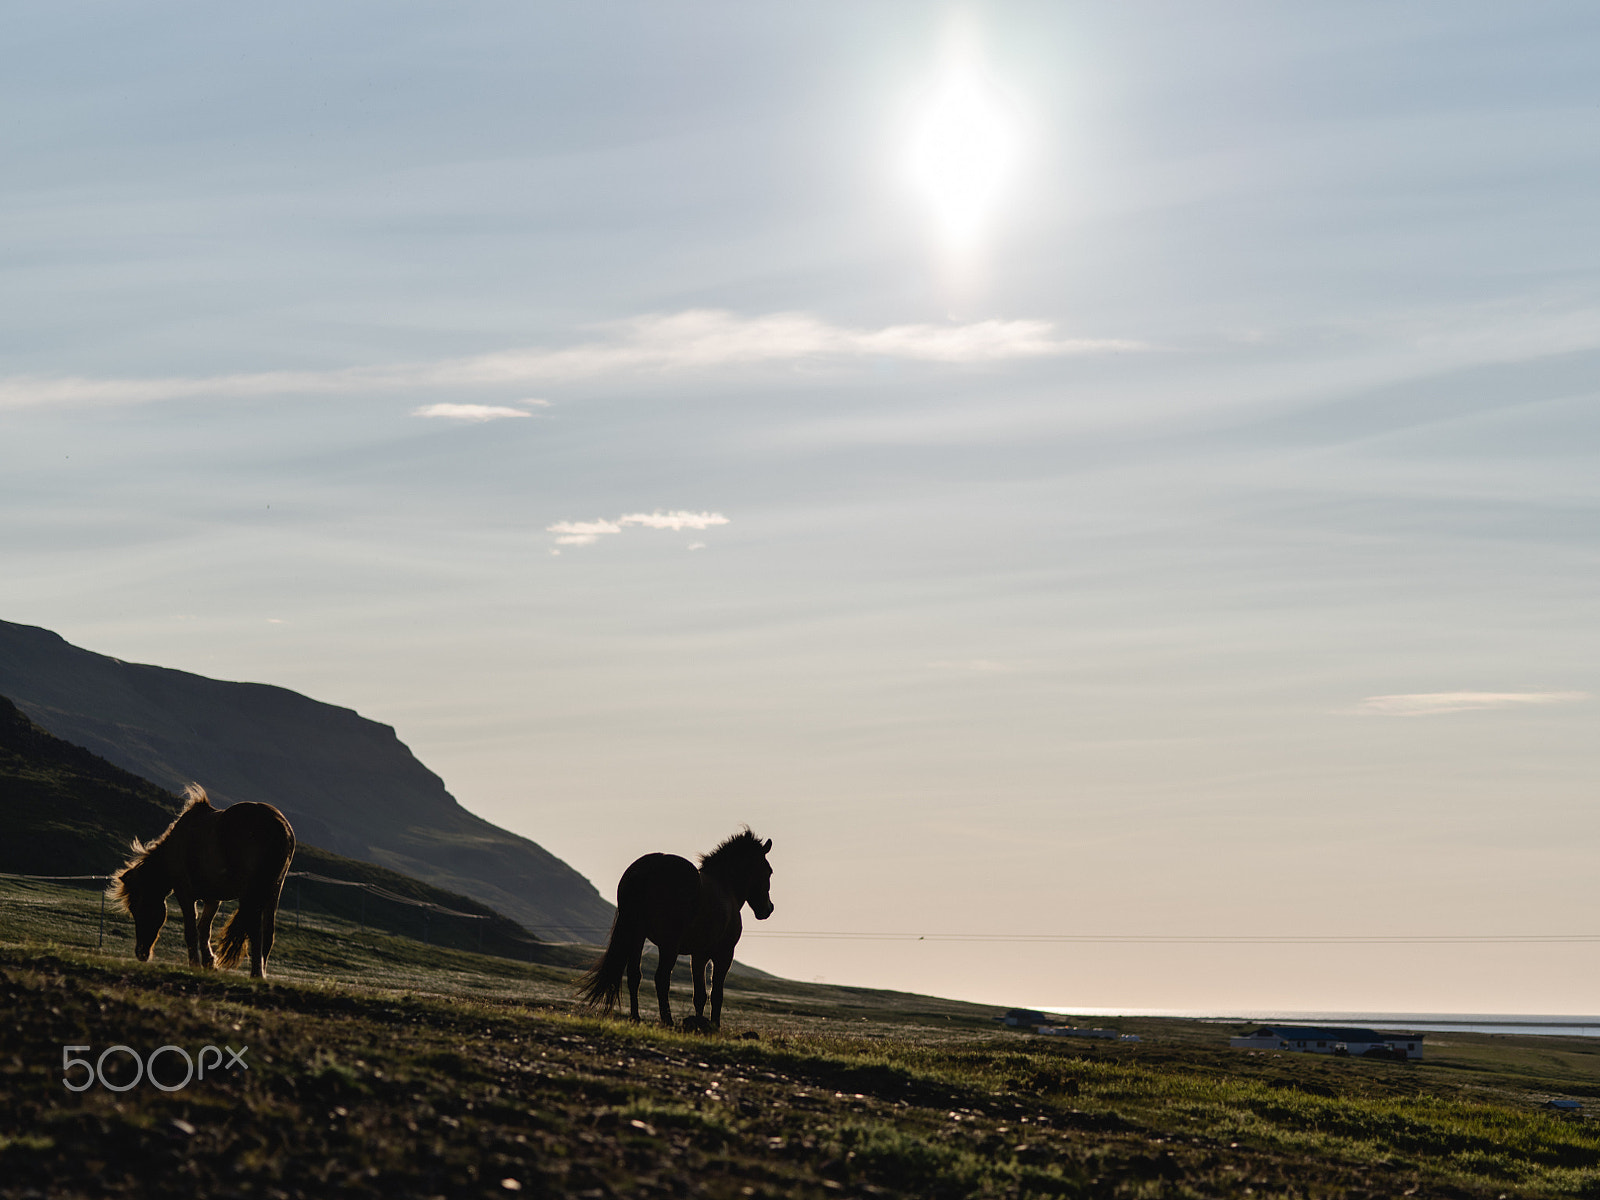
x=236, y=934
x=602, y=983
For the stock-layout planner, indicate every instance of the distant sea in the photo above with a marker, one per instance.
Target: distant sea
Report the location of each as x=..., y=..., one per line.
x=1524, y=1024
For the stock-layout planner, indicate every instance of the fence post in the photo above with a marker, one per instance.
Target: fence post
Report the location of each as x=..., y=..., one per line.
x=297, y=903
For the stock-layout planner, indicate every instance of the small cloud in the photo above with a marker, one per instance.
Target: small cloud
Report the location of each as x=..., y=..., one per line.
x=472, y=412
x=274, y=620
x=674, y=521
x=587, y=533
x=581, y=533
x=1421, y=704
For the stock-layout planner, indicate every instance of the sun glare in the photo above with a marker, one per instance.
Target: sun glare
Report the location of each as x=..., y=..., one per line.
x=964, y=148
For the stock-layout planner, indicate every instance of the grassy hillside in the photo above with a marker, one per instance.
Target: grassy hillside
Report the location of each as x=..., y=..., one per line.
x=380, y=1067
x=65, y=811
x=346, y=783
x=383, y=1064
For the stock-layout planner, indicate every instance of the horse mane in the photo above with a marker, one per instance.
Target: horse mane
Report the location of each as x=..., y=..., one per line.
x=730, y=850
x=130, y=876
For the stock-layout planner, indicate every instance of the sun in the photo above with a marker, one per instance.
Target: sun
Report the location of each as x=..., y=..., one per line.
x=964, y=148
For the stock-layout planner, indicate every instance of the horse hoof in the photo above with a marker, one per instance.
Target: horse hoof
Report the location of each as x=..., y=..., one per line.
x=698, y=1025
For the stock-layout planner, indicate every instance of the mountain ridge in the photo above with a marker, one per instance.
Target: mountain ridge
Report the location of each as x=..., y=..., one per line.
x=346, y=783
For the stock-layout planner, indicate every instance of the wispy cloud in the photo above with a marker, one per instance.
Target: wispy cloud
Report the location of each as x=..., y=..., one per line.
x=1421, y=704
x=674, y=520
x=581, y=533
x=587, y=533
x=695, y=341
x=473, y=412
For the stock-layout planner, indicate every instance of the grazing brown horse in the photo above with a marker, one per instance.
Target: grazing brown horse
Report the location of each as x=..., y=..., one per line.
x=683, y=911
x=206, y=856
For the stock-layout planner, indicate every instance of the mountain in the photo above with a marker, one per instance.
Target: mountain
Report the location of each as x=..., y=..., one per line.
x=66, y=811
x=347, y=784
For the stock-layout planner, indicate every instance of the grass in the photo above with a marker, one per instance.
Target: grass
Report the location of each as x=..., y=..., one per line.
x=379, y=1066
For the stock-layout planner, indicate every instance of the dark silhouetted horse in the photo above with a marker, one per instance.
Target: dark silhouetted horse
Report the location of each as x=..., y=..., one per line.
x=683, y=911
x=206, y=856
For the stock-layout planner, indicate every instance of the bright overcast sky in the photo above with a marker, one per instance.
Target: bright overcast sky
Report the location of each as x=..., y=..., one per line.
x=1092, y=469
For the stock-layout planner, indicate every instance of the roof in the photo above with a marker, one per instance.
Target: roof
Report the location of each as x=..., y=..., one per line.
x=1330, y=1033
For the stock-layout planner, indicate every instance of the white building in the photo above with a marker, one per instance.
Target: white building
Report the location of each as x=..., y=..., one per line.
x=1325, y=1039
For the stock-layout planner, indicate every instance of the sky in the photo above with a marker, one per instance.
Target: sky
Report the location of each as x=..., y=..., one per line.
x=1116, y=472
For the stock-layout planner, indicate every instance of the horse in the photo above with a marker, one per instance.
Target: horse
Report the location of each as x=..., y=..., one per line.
x=683, y=910
x=208, y=855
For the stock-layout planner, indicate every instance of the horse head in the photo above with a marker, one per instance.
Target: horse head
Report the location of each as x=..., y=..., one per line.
x=149, y=915
x=759, y=895
x=142, y=890
x=741, y=864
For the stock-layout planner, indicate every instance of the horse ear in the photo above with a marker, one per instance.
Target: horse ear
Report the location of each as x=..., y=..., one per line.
x=767, y=849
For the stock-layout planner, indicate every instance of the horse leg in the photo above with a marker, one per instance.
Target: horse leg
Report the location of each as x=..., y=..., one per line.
x=208, y=910
x=191, y=934
x=698, y=1022
x=664, y=984
x=719, y=972
x=261, y=944
x=700, y=988
x=635, y=973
